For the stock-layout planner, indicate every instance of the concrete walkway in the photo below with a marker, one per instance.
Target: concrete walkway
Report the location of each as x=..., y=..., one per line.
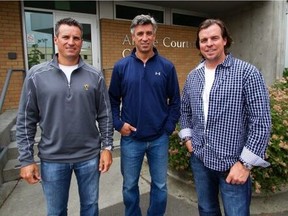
x=21, y=199
x=27, y=199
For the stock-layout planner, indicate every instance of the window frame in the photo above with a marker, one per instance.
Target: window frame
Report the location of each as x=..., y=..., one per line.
x=140, y=6
x=187, y=13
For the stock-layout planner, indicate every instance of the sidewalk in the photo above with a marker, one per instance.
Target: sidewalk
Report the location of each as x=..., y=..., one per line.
x=28, y=199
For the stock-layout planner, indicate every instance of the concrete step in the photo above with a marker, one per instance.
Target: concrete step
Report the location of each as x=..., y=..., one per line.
x=13, y=133
x=38, y=134
x=13, y=149
x=11, y=169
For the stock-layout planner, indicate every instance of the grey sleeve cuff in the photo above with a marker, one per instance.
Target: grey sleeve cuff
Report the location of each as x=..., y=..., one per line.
x=186, y=132
x=253, y=159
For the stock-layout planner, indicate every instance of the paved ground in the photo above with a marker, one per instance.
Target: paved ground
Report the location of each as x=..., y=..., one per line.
x=175, y=206
x=22, y=199
x=27, y=199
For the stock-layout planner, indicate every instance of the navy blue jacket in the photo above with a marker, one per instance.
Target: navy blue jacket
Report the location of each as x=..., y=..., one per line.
x=149, y=94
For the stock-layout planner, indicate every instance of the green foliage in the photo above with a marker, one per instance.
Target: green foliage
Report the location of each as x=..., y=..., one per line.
x=276, y=175
x=34, y=56
x=178, y=154
x=268, y=179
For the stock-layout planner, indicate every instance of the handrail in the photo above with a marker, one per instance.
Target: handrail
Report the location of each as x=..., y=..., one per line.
x=106, y=69
x=5, y=87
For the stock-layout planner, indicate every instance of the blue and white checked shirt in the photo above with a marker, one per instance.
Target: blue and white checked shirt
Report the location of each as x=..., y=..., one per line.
x=238, y=122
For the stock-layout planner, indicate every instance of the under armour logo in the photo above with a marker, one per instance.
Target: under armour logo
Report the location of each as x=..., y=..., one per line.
x=86, y=87
x=158, y=73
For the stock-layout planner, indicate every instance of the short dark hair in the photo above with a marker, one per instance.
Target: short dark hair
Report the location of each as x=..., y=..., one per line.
x=68, y=21
x=143, y=20
x=224, y=32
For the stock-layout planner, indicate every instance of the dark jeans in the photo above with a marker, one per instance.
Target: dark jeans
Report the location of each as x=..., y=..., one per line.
x=236, y=198
x=132, y=155
x=56, y=178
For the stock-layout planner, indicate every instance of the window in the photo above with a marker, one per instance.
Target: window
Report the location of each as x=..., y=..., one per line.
x=129, y=12
x=186, y=20
x=39, y=36
x=71, y=6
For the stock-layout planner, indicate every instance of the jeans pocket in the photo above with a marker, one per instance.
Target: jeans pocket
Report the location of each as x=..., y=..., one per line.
x=224, y=174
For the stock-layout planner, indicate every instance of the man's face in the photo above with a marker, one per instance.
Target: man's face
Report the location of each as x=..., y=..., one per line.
x=212, y=44
x=69, y=42
x=144, y=38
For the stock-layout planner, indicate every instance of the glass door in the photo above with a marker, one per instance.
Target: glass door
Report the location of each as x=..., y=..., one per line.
x=90, y=51
x=39, y=37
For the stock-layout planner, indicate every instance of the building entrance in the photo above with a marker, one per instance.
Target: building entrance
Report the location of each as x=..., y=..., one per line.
x=90, y=51
x=39, y=28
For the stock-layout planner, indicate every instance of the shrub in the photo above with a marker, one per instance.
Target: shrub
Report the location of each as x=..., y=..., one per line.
x=178, y=154
x=34, y=56
x=268, y=179
x=276, y=175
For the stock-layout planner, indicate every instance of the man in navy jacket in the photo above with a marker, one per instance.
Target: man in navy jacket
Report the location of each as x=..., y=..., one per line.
x=147, y=86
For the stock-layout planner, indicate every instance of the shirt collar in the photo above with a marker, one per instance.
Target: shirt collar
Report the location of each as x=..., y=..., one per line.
x=226, y=63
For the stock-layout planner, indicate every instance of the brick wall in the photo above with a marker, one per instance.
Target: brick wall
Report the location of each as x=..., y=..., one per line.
x=115, y=38
x=11, y=41
x=114, y=41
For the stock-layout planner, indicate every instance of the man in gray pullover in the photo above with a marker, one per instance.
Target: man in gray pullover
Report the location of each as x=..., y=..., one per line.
x=66, y=97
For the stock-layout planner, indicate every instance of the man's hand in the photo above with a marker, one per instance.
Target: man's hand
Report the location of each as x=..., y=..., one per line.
x=127, y=129
x=238, y=174
x=189, y=147
x=105, y=160
x=30, y=173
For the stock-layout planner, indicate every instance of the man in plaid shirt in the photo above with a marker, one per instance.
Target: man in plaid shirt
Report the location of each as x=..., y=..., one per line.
x=225, y=123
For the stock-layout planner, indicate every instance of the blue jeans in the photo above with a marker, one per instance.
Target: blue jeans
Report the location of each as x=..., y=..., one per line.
x=132, y=155
x=56, y=178
x=236, y=198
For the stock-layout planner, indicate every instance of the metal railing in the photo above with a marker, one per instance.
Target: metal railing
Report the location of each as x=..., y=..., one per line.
x=6, y=84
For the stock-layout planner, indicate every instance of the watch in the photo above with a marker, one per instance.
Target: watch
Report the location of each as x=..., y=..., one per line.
x=246, y=165
x=110, y=148
x=185, y=139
